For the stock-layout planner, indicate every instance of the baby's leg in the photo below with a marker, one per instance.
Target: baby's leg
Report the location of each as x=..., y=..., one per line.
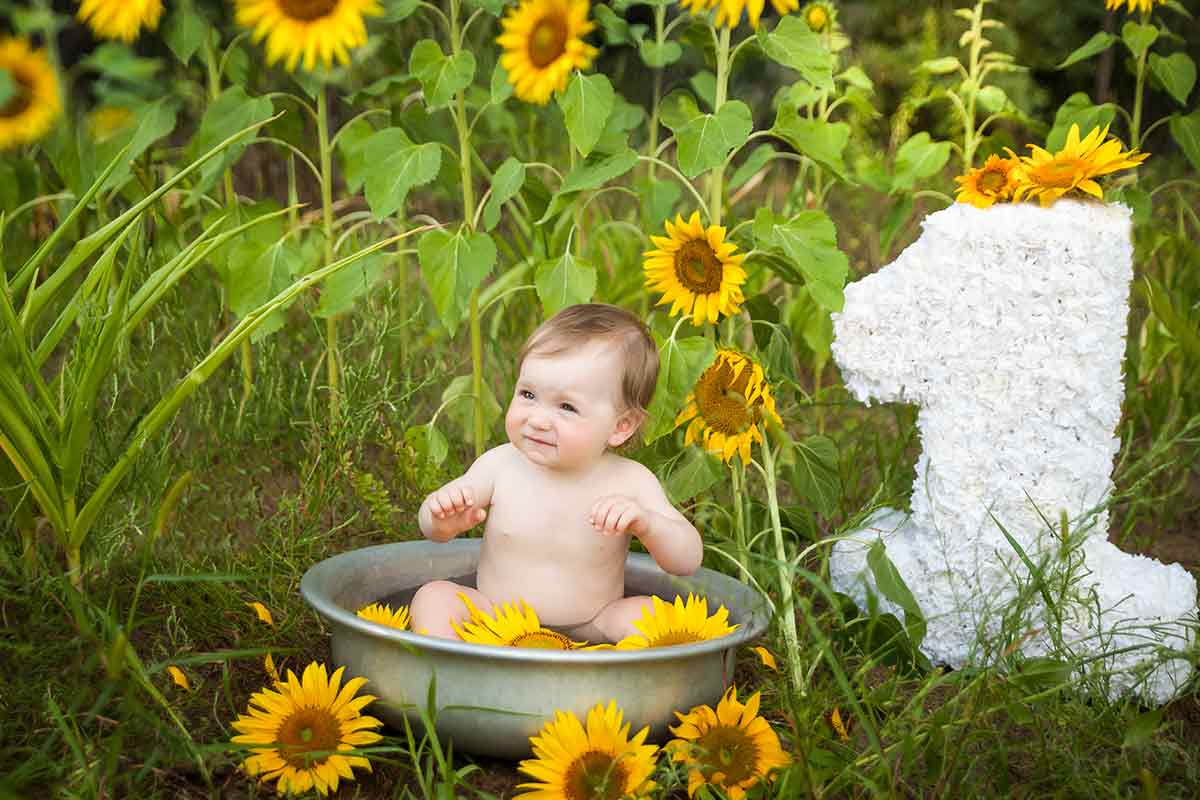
x=615, y=621
x=436, y=605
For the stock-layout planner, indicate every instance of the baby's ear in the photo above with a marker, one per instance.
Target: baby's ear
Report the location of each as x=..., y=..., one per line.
x=627, y=424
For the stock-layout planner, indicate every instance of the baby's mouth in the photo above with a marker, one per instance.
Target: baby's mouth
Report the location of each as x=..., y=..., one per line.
x=540, y=441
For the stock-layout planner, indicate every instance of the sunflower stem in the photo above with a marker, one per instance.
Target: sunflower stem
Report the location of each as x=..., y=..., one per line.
x=716, y=177
x=787, y=604
x=468, y=195
x=738, y=477
x=1135, y=124
x=332, y=359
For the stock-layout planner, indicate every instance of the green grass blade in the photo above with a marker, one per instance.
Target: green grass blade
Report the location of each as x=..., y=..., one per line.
x=165, y=409
x=17, y=341
x=91, y=243
x=22, y=451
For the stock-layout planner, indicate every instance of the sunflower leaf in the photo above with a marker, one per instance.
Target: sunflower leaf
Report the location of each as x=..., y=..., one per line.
x=815, y=475
x=185, y=31
x=506, y=182
x=681, y=362
x=586, y=105
x=463, y=414
x=892, y=586
x=440, y=75
x=1186, y=132
x=453, y=264
x=809, y=241
x=695, y=472
x=707, y=140
x=1097, y=44
x=678, y=109
x=233, y=110
x=823, y=142
x=1138, y=37
x=1078, y=110
x=918, y=158
x=564, y=281
x=394, y=165
x=1176, y=73
x=659, y=55
x=794, y=45
x=341, y=291
x=591, y=174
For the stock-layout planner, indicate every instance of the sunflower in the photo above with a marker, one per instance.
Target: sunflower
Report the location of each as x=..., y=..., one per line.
x=994, y=182
x=729, y=406
x=543, y=42
x=312, y=29
x=34, y=104
x=301, y=730
x=729, y=12
x=120, y=19
x=514, y=625
x=731, y=748
x=1145, y=6
x=1048, y=176
x=599, y=763
x=678, y=623
x=819, y=16
x=382, y=614
x=696, y=270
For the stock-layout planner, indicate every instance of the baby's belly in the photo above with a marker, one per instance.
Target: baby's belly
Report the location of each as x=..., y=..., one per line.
x=563, y=589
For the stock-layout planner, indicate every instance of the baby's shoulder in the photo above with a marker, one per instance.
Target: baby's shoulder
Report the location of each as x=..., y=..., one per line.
x=626, y=470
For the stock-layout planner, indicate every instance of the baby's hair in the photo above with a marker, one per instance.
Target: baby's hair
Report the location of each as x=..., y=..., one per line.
x=577, y=325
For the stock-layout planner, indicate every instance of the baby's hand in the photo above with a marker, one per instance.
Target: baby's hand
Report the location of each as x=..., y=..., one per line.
x=453, y=510
x=617, y=514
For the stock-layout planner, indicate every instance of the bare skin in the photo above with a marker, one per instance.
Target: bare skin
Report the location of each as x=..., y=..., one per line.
x=560, y=509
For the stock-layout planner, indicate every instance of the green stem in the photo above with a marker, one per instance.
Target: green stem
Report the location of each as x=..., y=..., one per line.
x=738, y=475
x=1135, y=125
x=74, y=569
x=332, y=359
x=717, y=176
x=787, y=603
x=468, y=195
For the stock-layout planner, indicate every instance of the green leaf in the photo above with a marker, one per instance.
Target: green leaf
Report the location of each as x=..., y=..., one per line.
x=506, y=182
x=250, y=279
x=501, y=89
x=1186, y=132
x=1078, y=110
x=694, y=473
x=757, y=159
x=809, y=241
x=857, y=78
x=119, y=61
x=918, y=158
x=659, y=55
x=185, y=31
x=823, y=142
x=815, y=475
x=493, y=7
x=454, y=264
x=154, y=121
x=657, y=199
x=1177, y=74
x=794, y=45
x=1143, y=728
x=940, y=66
x=593, y=173
x=678, y=109
x=399, y=10
x=350, y=141
x=992, y=99
x=1097, y=44
x=586, y=104
x=428, y=441
x=394, y=165
x=680, y=363
x=233, y=110
x=462, y=412
x=341, y=291
x=8, y=87
x=563, y=282
x=705, y=142
x=892, y=586
x=897, y=216
x=440, y=76
x=624, y=118
x=1138, y=37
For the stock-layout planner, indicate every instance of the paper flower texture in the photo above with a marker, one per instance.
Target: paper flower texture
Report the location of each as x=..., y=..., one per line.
x=1006, y=326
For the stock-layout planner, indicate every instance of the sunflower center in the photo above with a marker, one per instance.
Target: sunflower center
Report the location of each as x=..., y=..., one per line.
x=817, y=19
x=547, y=41
x=541, y=640
x=308, y=731
x=698, y=268
x=722, y=400
x=1058, y=173
x=594, y=776
x=668, y=638
x=992, y=181
x=307, y=10
x=730, y=751
x=22, y=95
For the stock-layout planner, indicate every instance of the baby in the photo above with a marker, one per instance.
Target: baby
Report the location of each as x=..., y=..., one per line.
x=562, y=506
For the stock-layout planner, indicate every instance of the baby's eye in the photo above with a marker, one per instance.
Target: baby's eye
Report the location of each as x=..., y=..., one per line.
x=568, y=407
x=525, y=394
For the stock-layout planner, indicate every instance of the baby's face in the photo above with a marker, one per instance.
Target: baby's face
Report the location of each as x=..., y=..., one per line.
x=565, y=411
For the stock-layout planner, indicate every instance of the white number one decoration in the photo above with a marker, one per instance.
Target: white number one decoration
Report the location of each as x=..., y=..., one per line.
x=1006, y=326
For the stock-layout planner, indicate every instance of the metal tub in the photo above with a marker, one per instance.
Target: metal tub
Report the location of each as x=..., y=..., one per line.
x=490, y=700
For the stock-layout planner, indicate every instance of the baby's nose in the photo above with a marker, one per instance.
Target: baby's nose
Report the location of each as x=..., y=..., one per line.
x=540, y=421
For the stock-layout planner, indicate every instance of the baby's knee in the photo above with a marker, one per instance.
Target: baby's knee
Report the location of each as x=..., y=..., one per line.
x=435, y=607
x=617, y=619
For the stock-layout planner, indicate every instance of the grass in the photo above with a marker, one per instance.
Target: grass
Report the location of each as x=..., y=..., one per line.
x=276, y=493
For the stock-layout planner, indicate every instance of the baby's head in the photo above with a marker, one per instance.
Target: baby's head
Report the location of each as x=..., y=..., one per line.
x=585, y=379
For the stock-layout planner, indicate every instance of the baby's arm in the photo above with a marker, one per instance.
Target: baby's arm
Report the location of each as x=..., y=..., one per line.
x=460, y=504
x=646, y=513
